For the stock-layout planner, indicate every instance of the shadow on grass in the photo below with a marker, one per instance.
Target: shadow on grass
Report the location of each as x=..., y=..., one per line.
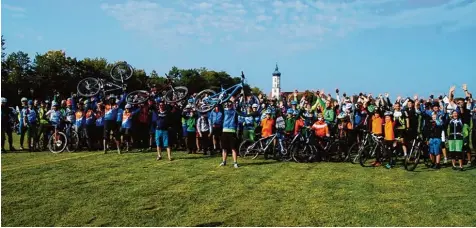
x=210, y=224
x=260, y=163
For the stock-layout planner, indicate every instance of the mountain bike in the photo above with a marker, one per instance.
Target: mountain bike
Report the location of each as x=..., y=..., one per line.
x=262, y=146
x=300, y=147
x=120, y=72
x=207, y=99
x=418, y=150
x=58, y=141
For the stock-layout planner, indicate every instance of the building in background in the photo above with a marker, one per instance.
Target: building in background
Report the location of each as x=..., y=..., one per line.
x=276, y=89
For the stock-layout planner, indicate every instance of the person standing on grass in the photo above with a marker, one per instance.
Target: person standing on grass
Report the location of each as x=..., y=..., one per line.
x=435, y=133
x=30, y=121
x=43, y=127
x=455, y=140
x=8, y=114
x=22, y=128
x=99, y=124
x=162, y=123
x=204, y=128
x=216, y=117
x=89, y=124
x=110, y=117
x=228, y=138
x=126, y=124
x=191, y=123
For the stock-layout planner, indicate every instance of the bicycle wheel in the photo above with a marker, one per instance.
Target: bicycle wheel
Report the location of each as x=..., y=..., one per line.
x=206, y=100
x=73, y=142
x=245, y=103
x=177, y=94
x=243, y=148
x=121, y=72
x=412, y=159
x=335, y=152
x=367, y=155
x=89, y=87
x=57, y=142
x=353, y=153
x=137, y=97
x=301, y=153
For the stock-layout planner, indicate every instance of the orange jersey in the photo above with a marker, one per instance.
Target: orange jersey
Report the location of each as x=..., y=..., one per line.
x=389, y=132
x=298, y=125
x=377, y=123
x=320, y=129
x=267, y=127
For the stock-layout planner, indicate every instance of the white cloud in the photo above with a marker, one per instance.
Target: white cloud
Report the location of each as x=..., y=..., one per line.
x=13, y=8
x=297, y=22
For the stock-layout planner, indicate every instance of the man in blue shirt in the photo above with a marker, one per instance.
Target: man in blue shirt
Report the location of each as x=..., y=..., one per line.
x=162, y=123
x=216, y=117
x=30, y=119
x=228, y=137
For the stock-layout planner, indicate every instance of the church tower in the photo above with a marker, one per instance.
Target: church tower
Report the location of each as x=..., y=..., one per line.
x=276, y=89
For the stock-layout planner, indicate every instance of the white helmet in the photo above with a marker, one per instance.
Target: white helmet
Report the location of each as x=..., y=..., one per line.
x=4, y=100
x=128, y=106
x=254, y=105
x=24, y=99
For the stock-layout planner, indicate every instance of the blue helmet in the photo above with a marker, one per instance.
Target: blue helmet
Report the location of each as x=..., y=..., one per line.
x=158, y=100
x=290, y=111
x=190, y=100
x=30, y=102
x=268, y=111
x=293, y=102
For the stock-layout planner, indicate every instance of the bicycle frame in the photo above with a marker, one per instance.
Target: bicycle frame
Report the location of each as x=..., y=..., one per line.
x=104, y=84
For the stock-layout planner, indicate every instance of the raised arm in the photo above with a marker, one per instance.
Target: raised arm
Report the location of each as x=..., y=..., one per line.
x=452, y=93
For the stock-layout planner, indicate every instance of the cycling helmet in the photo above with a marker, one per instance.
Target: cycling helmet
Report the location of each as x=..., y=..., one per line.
x=388, y=113
x=128, y=106
x=189, y=106
x=293, y=102
x=342, y=115
x=158, y=100
x=308, y=115
x=112, y=96
x=255, y=106
x=290, y=111
x=24, y=99
x=371, y=108
x=190, y=100
x=268, y=112
x=54, y=103
x=30, y=102
x=4, y=100
x=86, y=102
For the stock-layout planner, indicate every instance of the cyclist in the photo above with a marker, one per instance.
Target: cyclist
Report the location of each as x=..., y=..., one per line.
x=434, y=131
x=204, y=129
x=55, y=117
x=267, y=124
x=228, y=138
x=126, y=124
x=69, y=114
x=8, y=114
x=79, y=121
x=249, y=125
x=110, y=117
x=389, y=138
x=43, y=128
x=22, y=128
x=30, y=118
x=377, y=124
x=89, y=123
x=162, y=123
x=402, y=123
x=99, y=125
x=290, y=122
x=455, y=140
x=216, y=116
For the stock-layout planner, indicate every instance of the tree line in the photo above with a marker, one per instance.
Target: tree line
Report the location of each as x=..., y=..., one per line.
x=39, y=77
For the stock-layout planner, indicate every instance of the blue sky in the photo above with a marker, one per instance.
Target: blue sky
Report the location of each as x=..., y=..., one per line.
x=404, y=47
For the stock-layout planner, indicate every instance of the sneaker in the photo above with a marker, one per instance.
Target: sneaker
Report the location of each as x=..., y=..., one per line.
x=235, y=165
x=21, y=148
x=437, y=166
x=445, y=160
x=171, y=159
x=158, y=158
x=469, y=163
x=223, y=164
x=388, y=166
x=454, y=168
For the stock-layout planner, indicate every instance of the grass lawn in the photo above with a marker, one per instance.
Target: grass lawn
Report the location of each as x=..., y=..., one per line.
x=96, y=189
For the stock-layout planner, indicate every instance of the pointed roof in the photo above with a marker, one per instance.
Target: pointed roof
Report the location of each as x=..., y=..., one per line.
x=276, y=71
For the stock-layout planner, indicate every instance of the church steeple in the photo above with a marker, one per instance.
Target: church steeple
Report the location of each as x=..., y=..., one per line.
x=276, y=71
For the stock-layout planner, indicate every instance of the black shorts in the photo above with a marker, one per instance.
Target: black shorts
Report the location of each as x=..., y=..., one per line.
x=125, y=131
x=400, y=133
x=217, y=131
x=109, y=125
x=455, y=155
x=228, y=141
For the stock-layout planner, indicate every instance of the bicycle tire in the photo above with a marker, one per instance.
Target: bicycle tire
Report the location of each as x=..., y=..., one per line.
x=367, y=156
x=301, y=155
x=205, y=104
x=353, y=153
x=243, y=148
x=137, y=97
x=121, y=72
x=89, y=87
x=412, y=160
x=54, y=147
x=171, y=94
x=73, y=142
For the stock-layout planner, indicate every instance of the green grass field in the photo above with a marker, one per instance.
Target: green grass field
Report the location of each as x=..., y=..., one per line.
x=96, y=189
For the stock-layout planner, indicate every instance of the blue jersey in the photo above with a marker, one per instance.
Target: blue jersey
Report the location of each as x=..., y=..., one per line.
x=31, y=116
x=55, y=116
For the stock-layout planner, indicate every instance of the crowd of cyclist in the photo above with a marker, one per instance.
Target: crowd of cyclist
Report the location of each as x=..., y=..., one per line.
x=446, y=124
